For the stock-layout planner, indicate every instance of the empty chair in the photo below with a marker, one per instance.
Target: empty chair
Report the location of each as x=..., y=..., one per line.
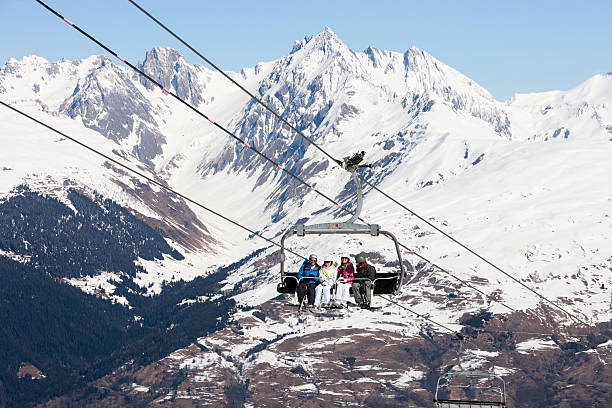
x=386, y=283
x=461, y=389
x=288, y=284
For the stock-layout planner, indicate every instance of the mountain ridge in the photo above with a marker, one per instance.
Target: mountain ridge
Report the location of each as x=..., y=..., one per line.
x=514, y=181
x=328, y=116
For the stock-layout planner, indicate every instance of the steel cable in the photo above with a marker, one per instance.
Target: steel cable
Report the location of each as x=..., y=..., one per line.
x=236, y=138
x=279, y=117
x=169, y=189
x=145, y=177
x=282, y=168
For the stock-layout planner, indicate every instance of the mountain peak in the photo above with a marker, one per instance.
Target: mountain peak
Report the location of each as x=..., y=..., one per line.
x=29, y=61
x=324, y=40
x=164, y=55
x=413, y=56
x=327, y=32
x=326, y=36
x=375, y=54
x=596, y=90
x=32, y=60
x=171, y=69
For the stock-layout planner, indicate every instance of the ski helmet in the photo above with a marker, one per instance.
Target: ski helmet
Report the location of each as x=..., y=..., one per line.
x=312, y=256
x=360, y=259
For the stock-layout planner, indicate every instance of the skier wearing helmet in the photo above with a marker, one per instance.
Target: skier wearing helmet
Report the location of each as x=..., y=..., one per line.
x=345, y=280
x=308, y=279
x=327, y=276
x=362, y=284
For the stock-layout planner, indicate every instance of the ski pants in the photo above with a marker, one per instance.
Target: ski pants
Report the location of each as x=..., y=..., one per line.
x=322, y=295
x=306, y=288
x=365, y=286
x=343, y=292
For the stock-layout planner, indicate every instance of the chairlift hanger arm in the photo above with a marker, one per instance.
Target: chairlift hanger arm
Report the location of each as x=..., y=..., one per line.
x=351, y=164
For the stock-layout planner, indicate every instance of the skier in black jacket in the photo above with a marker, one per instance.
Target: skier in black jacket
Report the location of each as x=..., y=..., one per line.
x=362, y=284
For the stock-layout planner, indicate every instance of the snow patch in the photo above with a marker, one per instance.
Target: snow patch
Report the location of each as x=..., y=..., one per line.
x=409, y=376
x=535, y=344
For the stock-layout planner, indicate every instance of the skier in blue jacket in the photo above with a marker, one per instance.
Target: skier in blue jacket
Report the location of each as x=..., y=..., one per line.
x=308, y=279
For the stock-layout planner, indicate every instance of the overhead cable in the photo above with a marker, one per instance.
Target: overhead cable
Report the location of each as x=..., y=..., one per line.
x=245, y=144
x=373, y=186
x=165, y=187
x=272, y=111
x=420, y=315
x=478, y=255
x=145, y=177
x=193, y=108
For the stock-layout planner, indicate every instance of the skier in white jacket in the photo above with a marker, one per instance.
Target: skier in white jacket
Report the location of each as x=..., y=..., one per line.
x=327, y=277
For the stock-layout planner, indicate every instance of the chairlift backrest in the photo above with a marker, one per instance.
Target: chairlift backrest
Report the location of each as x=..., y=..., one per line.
x=288, y=284
x=463, y=389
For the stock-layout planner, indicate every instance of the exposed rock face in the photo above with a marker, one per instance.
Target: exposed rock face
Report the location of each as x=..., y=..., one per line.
x=177, y=221
x=328, y=92
x=107, y=101
x=169, y=68
x=28, y=370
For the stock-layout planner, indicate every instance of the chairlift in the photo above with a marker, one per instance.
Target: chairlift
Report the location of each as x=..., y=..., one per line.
x=385, y=283
x=469, y=388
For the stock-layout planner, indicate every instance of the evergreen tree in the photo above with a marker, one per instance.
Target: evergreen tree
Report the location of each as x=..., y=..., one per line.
x=2, y=396
x=74, y=337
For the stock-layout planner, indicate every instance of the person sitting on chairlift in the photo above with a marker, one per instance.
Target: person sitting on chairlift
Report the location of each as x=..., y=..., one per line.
x=362, y=285
x=345, y=276
x=308, y=279
x=327, y=277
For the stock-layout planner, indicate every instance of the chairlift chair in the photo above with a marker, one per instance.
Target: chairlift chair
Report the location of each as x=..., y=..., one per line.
x=384, y=283
x=469, y=388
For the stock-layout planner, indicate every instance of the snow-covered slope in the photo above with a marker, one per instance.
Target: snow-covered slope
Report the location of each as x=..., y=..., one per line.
x=583, y=112
x=443, y=146
x=482, y=169
x=524, y=183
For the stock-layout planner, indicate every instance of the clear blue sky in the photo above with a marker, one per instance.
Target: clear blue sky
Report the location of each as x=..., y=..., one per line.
x=506, y=46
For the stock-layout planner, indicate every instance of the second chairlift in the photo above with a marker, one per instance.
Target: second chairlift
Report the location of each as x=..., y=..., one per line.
x=463, y=388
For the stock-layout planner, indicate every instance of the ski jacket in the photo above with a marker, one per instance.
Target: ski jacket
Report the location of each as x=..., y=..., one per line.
x=308, y=272
x=366, y=272
x=326, y=276
x=346, y=272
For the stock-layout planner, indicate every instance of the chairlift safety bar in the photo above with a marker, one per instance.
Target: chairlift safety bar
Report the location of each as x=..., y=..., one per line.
x=341, y=228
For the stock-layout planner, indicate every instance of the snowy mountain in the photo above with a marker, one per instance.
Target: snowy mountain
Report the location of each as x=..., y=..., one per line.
x=523, y=182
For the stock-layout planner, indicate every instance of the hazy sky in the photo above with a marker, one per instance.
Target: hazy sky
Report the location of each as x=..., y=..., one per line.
x=506, y=46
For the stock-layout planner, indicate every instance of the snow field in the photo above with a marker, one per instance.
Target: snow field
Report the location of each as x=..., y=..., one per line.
x=478, y=168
